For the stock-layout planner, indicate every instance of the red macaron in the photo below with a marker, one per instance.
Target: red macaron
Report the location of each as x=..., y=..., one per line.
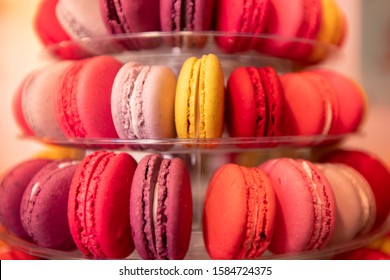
x=83, y=103
x=98, y=207
x=254, y=102
x=161, y=208
x=239, y=213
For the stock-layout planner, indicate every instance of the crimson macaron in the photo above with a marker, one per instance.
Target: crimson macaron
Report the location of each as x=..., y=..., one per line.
x=98, y=207
x=161, y=208
x=43, y=209
x=12, y=186
x=83, y=101
x=244, y=20
x=305, y=206
x=254, y=102
x=239, y=213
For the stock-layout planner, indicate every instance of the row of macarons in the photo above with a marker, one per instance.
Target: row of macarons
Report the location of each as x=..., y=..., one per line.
x=57, y=21
x=107, y=205
x=101, y=97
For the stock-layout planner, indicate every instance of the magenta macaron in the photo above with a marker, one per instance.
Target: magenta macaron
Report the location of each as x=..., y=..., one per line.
x=98, y=207
x=161, y=208
x=43, y=209
x=12, y=186
x=305, y=206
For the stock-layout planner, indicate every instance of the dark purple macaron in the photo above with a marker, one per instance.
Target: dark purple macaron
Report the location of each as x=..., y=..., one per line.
x=43, y=210
x=12, y=186
x=161, y=208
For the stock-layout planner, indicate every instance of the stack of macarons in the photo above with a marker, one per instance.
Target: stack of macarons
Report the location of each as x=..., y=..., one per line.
x=101, y=97
x=105, y=205
x=280, y=28
x=289, y=205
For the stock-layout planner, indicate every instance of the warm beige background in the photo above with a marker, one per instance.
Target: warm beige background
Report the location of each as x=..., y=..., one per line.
x=364, y=57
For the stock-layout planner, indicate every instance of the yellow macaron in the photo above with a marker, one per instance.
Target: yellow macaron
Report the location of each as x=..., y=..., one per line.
x=200, y=98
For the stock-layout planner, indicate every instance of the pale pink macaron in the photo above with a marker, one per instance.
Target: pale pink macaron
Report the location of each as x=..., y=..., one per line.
x=142, y=101
x=38, y=100
x=356, y=207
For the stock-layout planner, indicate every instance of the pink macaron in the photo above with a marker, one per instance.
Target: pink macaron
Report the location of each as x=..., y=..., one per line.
x=305, y=206
x=161, y=208
x=143, y=100
x=43, y=209
x=356, y=207
x=373, y=170
x=83, y=98
x=98, y=205
x=12, y=186
x=39, y=98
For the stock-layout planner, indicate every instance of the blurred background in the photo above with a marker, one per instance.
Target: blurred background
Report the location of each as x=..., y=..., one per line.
x=365, y=57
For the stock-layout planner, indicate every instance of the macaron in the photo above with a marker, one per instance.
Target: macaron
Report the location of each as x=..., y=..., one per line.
x=305, y=206
x=311, y=105
x=244, y=19
x=239, y=213
x=363, y=254
x=38, y=100
x=83, y=98
x=200, y=98
x=130, y=17
x=51, y=33
x=43, y=209
x=291, y=20
x=161, y=208
x=351, y=97
x=98, y=205
x=356, y=208
x=13, y=183
x=183, y=15
x=254, y=102
x=83, y=21
x=143, y=101
x=373, y=170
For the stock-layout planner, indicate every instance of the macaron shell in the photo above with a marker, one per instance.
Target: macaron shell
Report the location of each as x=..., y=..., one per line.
x=211, y=98
x=83, y=106
x=12, y=186
x=98, y=205
x=227, y=217
x=185, y=99
x=43, y=209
